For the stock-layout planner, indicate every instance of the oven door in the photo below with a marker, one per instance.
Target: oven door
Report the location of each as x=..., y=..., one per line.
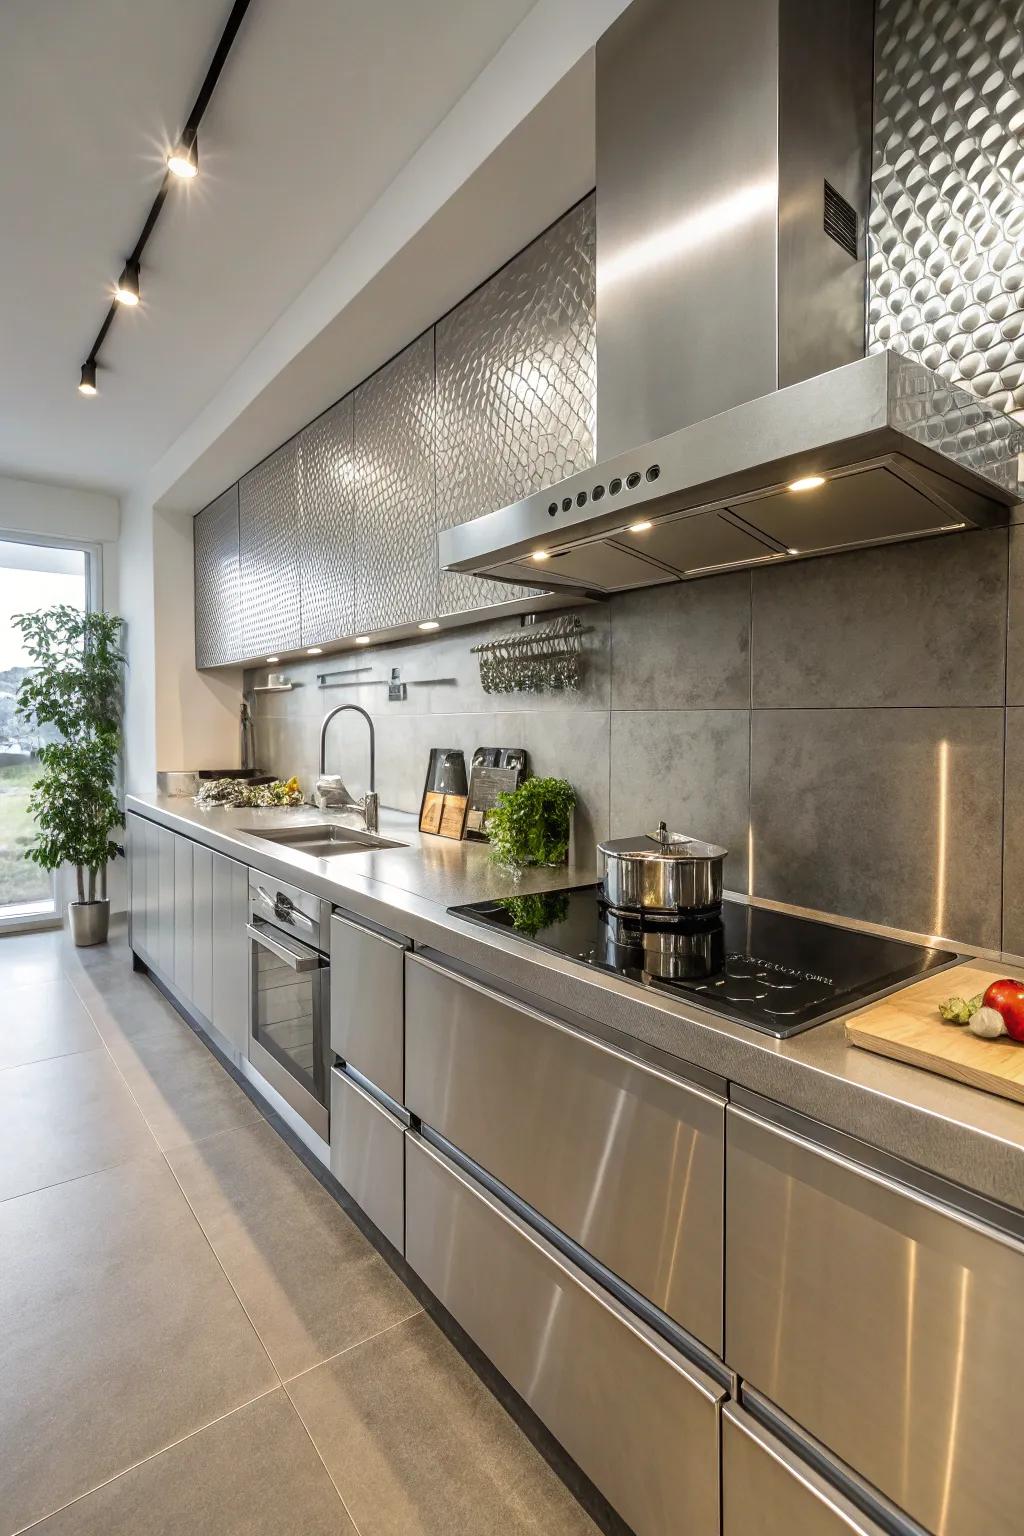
x=289, y=1011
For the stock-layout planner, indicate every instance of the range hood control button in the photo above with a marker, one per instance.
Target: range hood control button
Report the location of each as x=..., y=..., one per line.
x=654, y=472
x=633, y=480
x=614, y=486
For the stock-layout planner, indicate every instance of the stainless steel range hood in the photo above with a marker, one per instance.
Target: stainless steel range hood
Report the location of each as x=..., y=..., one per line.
x=733, y=152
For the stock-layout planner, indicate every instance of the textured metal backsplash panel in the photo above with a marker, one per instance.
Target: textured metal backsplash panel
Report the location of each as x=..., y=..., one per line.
x=217, y=597
x=396, y=552
x=946, y=266
x=326, y=525
x=268, y=542
x=516, y=388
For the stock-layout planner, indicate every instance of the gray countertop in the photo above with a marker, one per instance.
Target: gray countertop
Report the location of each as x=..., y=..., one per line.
x=959, y=1133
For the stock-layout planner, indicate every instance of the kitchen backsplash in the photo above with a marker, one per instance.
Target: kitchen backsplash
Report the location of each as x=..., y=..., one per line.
x=851, y=728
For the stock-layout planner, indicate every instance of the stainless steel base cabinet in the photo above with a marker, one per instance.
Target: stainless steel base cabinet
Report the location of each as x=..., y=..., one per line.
x=769, y=1491
x=367, y=1003
x=624, y=1159
x=885, y=1323
x=367, y=1155
x=230, y=944
x=641, y=1421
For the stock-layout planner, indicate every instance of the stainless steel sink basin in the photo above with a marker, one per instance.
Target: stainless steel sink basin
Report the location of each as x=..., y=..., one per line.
x=323, y=839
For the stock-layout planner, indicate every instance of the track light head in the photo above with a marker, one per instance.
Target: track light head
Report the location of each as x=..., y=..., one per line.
x=127, y=290
x=87, y=384
x=183, y=160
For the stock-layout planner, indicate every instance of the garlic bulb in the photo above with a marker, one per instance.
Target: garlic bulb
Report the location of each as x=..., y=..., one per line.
x=988, y=1023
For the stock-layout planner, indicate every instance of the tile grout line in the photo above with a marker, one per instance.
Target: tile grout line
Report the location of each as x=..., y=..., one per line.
x=316, y=1452
x=143, y=1460
x=358, y=1344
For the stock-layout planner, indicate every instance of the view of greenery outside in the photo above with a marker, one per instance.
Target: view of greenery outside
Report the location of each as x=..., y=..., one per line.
x=20, y=881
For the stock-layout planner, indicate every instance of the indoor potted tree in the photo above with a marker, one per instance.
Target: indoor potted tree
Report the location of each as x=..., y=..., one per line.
x=74, y=690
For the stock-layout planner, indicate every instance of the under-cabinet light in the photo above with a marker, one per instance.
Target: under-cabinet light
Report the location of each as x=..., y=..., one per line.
x=429, y=624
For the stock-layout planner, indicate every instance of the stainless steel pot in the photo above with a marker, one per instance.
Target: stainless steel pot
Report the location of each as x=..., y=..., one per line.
x=661, y=871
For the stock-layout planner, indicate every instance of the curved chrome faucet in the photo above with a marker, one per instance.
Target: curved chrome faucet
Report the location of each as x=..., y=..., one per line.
x=330, y=789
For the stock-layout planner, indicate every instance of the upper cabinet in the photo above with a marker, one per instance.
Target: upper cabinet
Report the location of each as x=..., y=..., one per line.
x=268, y=526
x=217, y=599
x=396, y=531
x=327, y=526
x=336, y=532
x=516, y=388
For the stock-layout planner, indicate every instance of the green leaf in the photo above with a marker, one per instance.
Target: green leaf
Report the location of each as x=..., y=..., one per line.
x=531, y=824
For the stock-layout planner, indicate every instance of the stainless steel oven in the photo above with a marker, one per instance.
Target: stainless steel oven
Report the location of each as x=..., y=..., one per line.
x=290, y=995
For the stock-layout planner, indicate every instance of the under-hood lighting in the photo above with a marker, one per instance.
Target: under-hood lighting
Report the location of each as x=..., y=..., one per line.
x=541, y=554
x=643, y=526
x=807, y=483
x=696, y=229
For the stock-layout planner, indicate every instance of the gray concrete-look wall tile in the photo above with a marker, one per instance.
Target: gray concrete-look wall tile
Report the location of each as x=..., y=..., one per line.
x=1013, y=835
x=685, y=646
x=689, y=768
x=913, y=624
x=1017, y=513
x=574, y=746
x=1015, y=633
x=890, y=815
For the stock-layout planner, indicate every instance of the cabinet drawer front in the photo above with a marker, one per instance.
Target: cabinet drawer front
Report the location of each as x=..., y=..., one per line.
x=625, y=1160
x=768, y=1491
x=886, y=1325
x=641, y=1422
x=367, y=1003
x=367, y=1156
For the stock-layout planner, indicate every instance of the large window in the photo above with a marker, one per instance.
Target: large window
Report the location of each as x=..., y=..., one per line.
x=33, y=575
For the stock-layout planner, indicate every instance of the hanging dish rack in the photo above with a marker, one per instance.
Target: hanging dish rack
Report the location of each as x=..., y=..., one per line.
x=541, y=657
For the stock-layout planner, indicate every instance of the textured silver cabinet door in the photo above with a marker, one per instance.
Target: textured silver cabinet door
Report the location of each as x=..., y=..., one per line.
x=202, y=930
x=516, y=388
x=624, y=1159
x=231, y=951
x=367, y=1156
x=163, y=949
x=769, y=1491
x=368, y=1003
x=218, y=611
x=883, y=1323
x=640, y=1420
x=326, y=492
x=268, y=530
x=183, y=916
x=396, y=532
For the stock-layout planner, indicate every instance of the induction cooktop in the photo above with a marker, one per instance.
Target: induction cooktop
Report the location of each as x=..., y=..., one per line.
x=777, y=973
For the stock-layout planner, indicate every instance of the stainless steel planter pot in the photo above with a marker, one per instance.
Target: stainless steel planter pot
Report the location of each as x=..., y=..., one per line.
x=90, y=922
x=661, y=872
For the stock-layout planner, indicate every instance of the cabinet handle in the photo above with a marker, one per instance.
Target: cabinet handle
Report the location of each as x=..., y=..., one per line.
x=308, y=960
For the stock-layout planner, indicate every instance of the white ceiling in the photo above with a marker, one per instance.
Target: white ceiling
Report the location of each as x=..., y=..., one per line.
x=319, y=106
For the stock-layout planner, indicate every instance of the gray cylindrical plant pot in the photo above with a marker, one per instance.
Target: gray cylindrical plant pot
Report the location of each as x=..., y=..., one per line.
x=90, y=921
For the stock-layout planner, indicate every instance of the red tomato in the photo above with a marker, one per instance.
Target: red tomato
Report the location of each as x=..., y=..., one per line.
x=1007, y=998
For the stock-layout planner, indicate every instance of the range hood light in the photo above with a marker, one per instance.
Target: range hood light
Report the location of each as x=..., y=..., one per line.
x=541, y=554
x=952, y=527
x=807, y=483
x=643, y=526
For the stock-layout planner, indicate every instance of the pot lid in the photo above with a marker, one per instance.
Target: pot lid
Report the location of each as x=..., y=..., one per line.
x=660, y=845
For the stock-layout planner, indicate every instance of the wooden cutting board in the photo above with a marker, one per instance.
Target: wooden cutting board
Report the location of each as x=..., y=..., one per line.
x=907, y=1027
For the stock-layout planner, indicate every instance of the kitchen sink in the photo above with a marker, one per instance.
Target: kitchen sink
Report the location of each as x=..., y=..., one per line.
x=322, y=840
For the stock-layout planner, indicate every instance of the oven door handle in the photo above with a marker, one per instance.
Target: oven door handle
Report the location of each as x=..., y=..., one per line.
x=299, y=959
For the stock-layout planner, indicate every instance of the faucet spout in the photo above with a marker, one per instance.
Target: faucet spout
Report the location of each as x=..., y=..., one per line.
x=340, y=710
x=332, y=791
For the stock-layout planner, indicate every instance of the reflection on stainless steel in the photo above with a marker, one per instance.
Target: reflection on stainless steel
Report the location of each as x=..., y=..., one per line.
x=885, y=1323
x=330, y=790
x=661, y=872
x=367, y=1004
x=623, y=1159
x=367, y=1156
x=639, y=1419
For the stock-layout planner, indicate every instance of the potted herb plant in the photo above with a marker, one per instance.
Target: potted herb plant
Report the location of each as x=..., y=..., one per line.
x=531, y=824
x=74, y=690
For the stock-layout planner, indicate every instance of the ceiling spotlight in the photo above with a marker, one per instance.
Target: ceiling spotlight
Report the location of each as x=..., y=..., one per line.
x=643, y=526
x=183, y=159
x=314, y=650
x=541, y=554
x=87, y=384
x=362, y=639
x=127, y=290
x=429, y=624
x=807, y=483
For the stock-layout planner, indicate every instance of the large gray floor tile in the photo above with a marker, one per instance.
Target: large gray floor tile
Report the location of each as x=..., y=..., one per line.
x=65, y=1117
x=118, y=1335
x=45, y=1020
x=125, y=1005
x=254, y=1473
x=30, y=959
x=891, y=815
x=181, y=1088
x=416, y=1444
x=1015, y=637
x=308, y=1278
x=688, y=768
x=915, y=624
x=1013, y=835
x=684, y=646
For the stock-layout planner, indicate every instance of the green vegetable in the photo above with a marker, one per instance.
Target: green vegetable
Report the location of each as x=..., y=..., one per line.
x=530, y=914
x=530, y=825
x=956, y=1011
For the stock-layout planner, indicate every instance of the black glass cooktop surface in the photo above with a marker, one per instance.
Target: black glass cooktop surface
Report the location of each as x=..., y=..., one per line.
x=778, y=973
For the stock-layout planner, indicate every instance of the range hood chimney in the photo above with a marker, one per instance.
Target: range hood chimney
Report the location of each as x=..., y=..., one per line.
x=738, y=420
